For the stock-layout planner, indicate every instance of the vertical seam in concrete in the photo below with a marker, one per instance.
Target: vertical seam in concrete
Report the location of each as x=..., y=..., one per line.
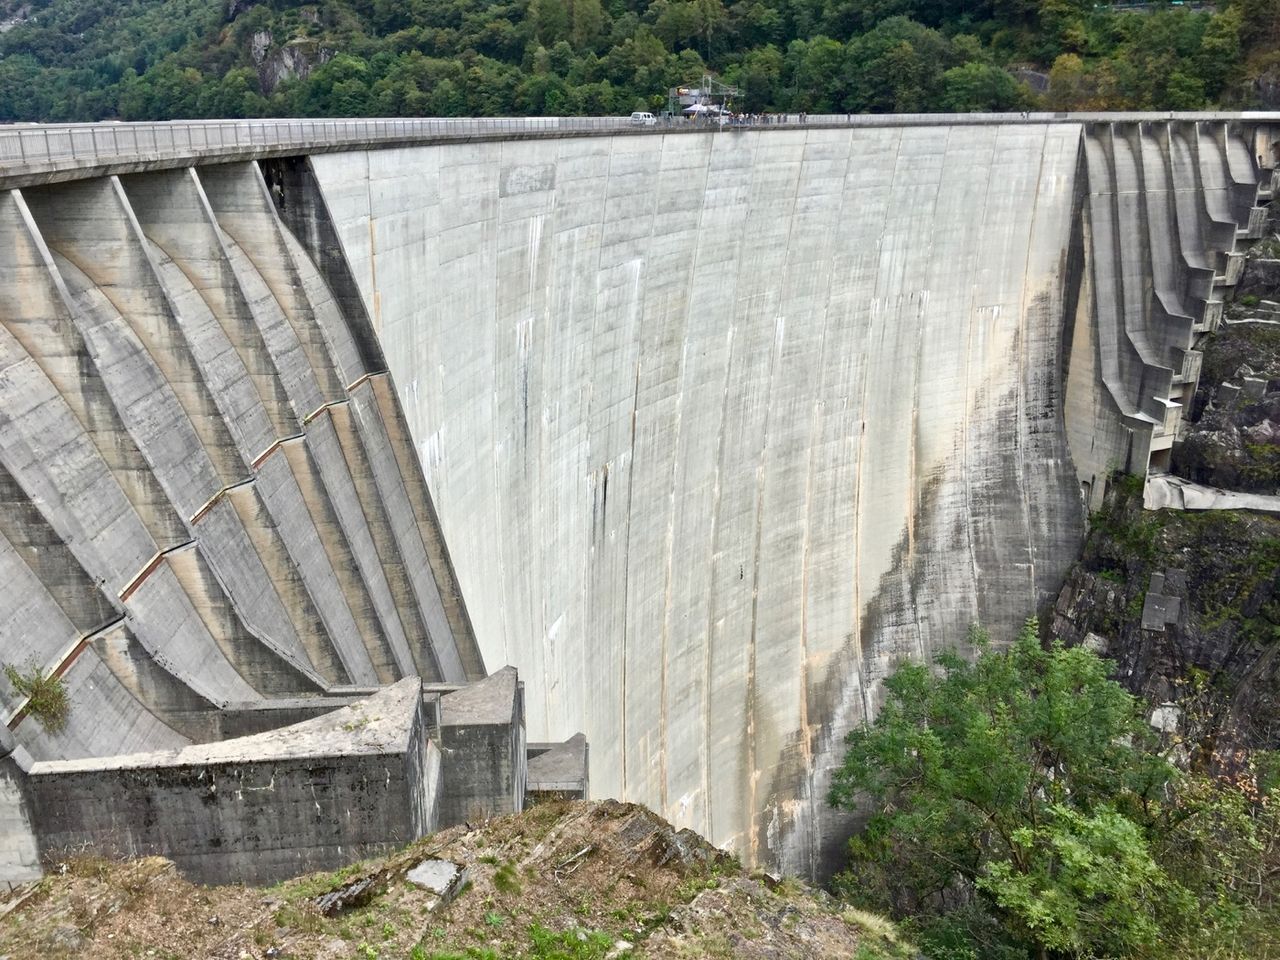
x=971, y=321
x=376, y=319
x=1022, y=382
x=779, y=337
x=716, y=495
x=873, y=312
x=806, y=735
x=913, y=484
x=631, y=480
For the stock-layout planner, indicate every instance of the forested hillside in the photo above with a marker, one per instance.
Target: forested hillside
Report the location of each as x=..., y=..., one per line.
x=161, y=59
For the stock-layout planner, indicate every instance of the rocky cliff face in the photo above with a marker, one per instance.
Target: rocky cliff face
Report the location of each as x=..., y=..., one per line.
x=277, y=56
x=294, y=59
x=1188, y=605
x=1234, y=439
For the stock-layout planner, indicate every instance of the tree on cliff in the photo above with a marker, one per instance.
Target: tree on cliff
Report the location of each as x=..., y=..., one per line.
x=1019, y=805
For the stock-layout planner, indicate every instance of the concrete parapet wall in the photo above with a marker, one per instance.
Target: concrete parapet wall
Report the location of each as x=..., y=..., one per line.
x=43, y=153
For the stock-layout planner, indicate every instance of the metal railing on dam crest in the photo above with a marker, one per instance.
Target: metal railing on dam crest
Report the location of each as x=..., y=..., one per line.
x=31, y=153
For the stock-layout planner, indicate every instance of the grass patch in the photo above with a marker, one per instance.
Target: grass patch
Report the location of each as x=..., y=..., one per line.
x=308, y=888
x=505, y=879
x=872, y=924
x=547, y=944
x=297, y=918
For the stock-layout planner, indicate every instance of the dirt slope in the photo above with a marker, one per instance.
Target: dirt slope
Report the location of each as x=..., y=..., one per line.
x=563, y=881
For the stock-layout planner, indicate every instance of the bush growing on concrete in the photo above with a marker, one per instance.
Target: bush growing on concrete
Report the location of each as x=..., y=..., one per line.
x=46, y=695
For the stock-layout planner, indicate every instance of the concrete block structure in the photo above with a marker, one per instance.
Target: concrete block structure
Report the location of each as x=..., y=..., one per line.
x=362, y=777
x=710, y=428
x=559, y=771
x=358, y=782
x=482, y=736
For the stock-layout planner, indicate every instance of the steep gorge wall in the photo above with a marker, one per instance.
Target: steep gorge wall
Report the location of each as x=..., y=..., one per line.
x=720, y=427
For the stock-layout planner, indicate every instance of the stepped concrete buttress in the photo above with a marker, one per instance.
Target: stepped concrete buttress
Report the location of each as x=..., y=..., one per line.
x=710, y=429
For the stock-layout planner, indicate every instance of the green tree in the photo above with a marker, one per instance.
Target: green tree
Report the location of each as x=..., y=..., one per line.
x=1082, y=884
x=1019, y=782
x=1019, y=805
x=156, y=59
x=550, y=20
x=758, y=77
x=817, y=75
x=978, y=87
x=1069, y=84
x=897, y=68
x=588, y=21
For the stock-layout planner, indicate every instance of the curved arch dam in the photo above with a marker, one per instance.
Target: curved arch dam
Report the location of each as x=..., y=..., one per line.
x=715, y=427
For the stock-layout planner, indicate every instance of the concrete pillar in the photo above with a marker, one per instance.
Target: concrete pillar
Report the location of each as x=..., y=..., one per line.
x=19, y=851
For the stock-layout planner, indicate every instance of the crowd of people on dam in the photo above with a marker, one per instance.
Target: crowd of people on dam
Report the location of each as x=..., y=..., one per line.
x=714, y=116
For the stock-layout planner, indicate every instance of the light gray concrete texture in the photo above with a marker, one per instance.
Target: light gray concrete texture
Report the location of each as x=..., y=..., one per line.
x=716, y=427
x=198, y=503
x=304, y=211
x=1166, y=207
x=19, y=852
x=360, y=781
x=1174, y=493
x=484, y=748
x=719, y=428
x=560, y=770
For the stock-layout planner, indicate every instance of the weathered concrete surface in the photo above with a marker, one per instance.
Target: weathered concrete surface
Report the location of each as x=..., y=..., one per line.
x=716, y=427
x=199, y=499
x=19, y=849
x=1165, y=206
x=1174, y=493
x=560, y=771
x=719, y=428
x=358, y=782
x=483, y=742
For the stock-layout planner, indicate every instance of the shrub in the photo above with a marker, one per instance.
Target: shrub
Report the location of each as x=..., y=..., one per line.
x=46, y=695
x=1020, y=806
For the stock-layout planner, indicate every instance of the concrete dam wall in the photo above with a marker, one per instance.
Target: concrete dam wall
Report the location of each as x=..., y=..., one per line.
x=721, y=427
x=715, y=428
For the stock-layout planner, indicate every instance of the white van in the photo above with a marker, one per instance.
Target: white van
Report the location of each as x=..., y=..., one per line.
x=640, y=119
